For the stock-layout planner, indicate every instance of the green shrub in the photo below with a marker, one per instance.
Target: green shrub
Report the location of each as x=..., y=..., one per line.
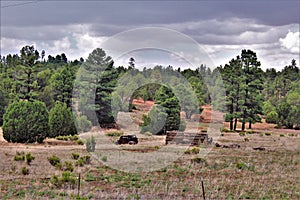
x=29, y=158
x=54, y=161
x=192, y=151
x=242, y=134
x=25, y=171
x=80, y=142
x=246, y=139
x=268, y=134
x=83, y=124
x=199, y=161
x=115, y=134
x=55, y=181
x=104, y=158
x=90, y=144
x=61, y=121
x=20, y=156
x=69, y=166
x=75, y=156
x=281, y=135
x=272, y=117
x=26, y=122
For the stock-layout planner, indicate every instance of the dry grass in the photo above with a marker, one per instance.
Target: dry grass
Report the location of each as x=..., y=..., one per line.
x=241, y=173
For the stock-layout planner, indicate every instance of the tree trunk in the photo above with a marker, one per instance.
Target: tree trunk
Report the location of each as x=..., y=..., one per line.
x=231, y=125
x=250, y=125
x=243, y=126
x=235, y=124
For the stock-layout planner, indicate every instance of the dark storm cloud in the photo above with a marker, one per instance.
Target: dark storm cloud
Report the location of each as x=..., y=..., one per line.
x=148, y=12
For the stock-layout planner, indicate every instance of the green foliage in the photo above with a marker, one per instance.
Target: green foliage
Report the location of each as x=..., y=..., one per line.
x=61, y=121
x=25, y=171
x=29, y=158
x=3, y=104
x=155, y=122
x=95, y=96
x=26, y=121
x=83, y=124
x=170, y=104
x=80, y=142
x=75, y=156
x=54, y=161
x=272, y=117
x=243, y=80
x=268, y=107
x=20, y=156
x=90, y=144
x=115, y=133
x=268, y=134
x=194, y=150
x=62, y=84
x=69, y=166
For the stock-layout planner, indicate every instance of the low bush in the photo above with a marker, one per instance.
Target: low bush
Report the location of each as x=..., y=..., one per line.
x=54, y=161
x=242, y=134
x=90, y=144
x=75, y=156
x=192, y=151
x=69, y=166
x=25, y=171
x=29, y=158
x=115, y=134
x=20, y=156
x=268, y=134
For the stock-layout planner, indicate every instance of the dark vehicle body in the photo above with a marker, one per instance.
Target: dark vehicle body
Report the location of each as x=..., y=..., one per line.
x=127, y=139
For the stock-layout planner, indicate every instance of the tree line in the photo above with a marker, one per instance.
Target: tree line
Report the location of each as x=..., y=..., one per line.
x=243, y=90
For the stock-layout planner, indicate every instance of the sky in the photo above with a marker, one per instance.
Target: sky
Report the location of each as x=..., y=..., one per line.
x=220, y=28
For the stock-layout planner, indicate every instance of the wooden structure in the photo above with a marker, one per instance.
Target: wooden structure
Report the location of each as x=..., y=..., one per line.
x=194, y=139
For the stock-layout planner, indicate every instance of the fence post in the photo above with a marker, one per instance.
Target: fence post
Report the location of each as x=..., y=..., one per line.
x=203, y=191
x=78, y=192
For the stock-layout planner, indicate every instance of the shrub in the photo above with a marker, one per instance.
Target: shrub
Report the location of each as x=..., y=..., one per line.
x=281, y=135
x=115, y=133
x=192, y=151
x=83, y=124
x=29, y=158
x=61, y=121
x=246, y=139
x=20, y=156
x=272, y=117
x=199, y=161
x=25, y=171
x=80, y=142
x=54, y=161
x=69, y=166
x=75, y=156
x=104, y=158
x=268, y=134
x=26, y=122
x=90, y=144
x=242, y=134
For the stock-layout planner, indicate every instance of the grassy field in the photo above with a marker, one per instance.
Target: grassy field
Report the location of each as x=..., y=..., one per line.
x=228, y=173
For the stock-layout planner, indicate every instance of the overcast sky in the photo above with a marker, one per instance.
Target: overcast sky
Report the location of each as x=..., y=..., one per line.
x=221, y=28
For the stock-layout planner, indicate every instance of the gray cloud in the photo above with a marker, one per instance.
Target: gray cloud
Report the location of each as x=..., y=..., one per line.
x=223, y=28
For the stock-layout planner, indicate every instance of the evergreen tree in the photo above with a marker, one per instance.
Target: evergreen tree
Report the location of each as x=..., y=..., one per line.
x=61, y=120
x=166, y=98
x=26, y=121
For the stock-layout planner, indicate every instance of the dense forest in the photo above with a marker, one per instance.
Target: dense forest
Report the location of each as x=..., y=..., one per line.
x=30, y=83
